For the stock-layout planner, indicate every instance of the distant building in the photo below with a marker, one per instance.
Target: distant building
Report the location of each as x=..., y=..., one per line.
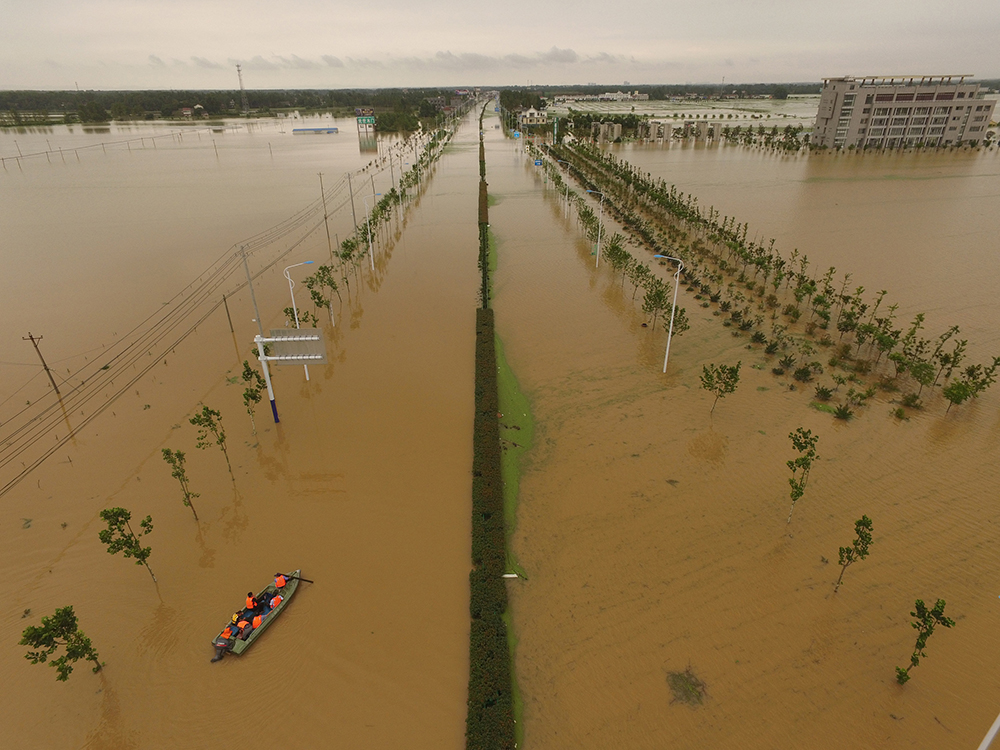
x=892, y=112
x=532, y=116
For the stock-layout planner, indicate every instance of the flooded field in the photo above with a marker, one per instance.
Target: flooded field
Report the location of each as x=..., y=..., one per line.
x=654, y=534
x=364, y=484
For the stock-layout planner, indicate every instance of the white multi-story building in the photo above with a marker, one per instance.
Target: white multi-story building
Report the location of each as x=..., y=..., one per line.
x=897, y=111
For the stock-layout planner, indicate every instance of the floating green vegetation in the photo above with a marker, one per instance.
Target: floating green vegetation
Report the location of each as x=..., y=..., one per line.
x=686, y=687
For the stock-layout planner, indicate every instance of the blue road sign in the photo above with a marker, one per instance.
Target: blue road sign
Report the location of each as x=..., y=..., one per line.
x=538, y=162
x=517, y=134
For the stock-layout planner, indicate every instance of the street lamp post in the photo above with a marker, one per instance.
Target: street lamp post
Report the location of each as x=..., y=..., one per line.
x=295, y=310
x=673, y=307
x=368, y=221
x=597, y=263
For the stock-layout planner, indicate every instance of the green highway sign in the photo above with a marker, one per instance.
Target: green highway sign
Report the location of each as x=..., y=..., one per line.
x=366, y=121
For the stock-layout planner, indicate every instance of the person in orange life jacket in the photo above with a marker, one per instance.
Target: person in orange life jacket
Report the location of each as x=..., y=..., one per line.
x=252, y=602
x=280, y=579
x=258, y=619
x=245, y=627
x=275, y=600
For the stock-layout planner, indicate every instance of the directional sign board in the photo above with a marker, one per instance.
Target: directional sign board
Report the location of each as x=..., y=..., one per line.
x=517, y=134
x=302, y=346
x=366, y=121
x=538, y=162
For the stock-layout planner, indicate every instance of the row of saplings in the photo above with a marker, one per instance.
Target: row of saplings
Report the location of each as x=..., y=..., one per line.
x=722, y=380
x=61, y=630
x=761, y=269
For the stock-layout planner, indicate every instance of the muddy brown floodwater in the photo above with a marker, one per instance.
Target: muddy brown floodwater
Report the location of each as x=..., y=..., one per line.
x=364, y=484
x=654, y=535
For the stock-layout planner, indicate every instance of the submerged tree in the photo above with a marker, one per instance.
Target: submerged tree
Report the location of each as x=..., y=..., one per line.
x=176, y=460
x=209, y=422
x=119, y=536
x=253, y=393
x=59, y=630
x=805, y=443
x=720, y=380
x=858, y=549
x=925, y=621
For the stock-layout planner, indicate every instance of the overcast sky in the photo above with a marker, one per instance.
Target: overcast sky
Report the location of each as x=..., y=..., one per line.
x=192, y=44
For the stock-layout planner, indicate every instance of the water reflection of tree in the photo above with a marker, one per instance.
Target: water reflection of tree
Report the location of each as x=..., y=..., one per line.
x=110, y=732
x=234, y=518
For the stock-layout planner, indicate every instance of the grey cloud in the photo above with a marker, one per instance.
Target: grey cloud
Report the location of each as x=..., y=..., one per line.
x=297, y=63
x=333, y=62
x=204, y=62
x=556, y=55
x=363, y=62
x=154, y=60
x=259, y=63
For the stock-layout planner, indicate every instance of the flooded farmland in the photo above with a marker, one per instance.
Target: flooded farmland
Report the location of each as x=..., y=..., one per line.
x=364, y=483
x=653, y=533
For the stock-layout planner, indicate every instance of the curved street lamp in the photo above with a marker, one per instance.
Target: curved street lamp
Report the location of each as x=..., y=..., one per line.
x=295, y=310
x=677, y=283
x=599, y=227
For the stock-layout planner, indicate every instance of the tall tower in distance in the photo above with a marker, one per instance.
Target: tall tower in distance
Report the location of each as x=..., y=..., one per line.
x=243, y=92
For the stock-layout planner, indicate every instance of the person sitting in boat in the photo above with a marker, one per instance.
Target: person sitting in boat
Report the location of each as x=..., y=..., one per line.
x=275, y=601
x=252, y=602
x=225, y=640
x=280, y=579
x=258, y=619
x=245, y=627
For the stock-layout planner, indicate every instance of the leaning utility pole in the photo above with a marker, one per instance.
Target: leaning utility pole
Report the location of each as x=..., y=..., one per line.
x=243, y=92
x=325, y=215
x=48, y=372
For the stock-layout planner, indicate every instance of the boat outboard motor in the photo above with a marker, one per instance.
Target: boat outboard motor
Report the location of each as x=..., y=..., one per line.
x=221, y=647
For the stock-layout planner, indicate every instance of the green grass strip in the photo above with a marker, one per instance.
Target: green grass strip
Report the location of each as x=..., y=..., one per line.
x=517, y=434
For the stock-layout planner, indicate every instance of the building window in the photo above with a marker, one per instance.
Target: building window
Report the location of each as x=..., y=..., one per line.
x=939, y=121
x=942, y=110
x=961, y=94
x=898, y=131
x=953, y=127
x=880, y=121
x=907, y=97
x=883, y=97
x=898, y=120
x=922, y=111
x=881, y=111
x=976, y=128
x=901, y=111
x=868, y=99
x=945, y=96
x=925, y=96
x=919, y=121
x=979, y=118
x=866, y=110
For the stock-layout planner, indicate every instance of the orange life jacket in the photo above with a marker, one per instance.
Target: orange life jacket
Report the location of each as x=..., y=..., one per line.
x=243, y=624
x=251, y=602
x=276, y=601
x=227, y=632
x=279, y=582
x=257, y=621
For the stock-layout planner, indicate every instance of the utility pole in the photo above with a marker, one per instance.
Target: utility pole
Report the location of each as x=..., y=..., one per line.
x=353, y=214
x=34, y=342
x=325, y=221
x=253, y=298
